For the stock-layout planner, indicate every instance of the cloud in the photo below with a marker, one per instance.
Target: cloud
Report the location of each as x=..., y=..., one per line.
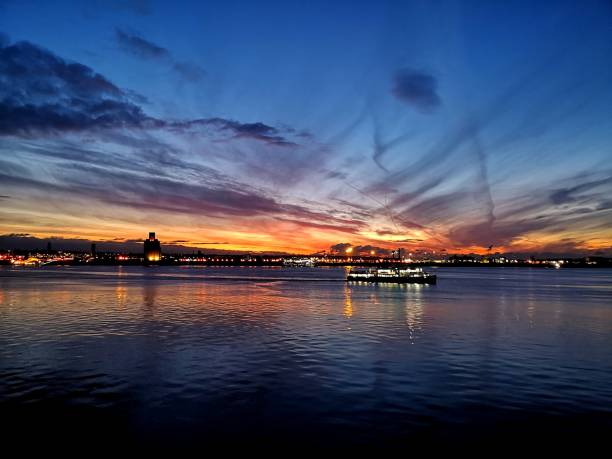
x=139, y=47
x=25, y=120
x=258, y=131
x=129, y=189
x=340, y=248
x=381, y=147
x=134, y=44
x=363, y=250
x=368, y=249
x=573, y=193
x=337, y=225
x=42, y=94
x=35, y=73
x=417, y=89
x=122, y=181
x=336, y=175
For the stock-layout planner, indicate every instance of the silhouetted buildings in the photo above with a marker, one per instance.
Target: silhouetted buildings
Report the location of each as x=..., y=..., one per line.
x=93, y=249
x=152, y=249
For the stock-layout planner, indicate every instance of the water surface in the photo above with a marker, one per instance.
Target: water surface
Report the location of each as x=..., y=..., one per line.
x=191, y=356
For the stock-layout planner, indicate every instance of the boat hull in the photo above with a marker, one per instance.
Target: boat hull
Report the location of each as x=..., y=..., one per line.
x=430, y=279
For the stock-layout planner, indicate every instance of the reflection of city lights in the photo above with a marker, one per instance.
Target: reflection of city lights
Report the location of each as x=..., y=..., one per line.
x=121, y=294
x=414, y=319
x=348, y=302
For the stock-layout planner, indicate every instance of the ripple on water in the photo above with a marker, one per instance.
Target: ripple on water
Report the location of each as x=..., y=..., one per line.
x=261, y=349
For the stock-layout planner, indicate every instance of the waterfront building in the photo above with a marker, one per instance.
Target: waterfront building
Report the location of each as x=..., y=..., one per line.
x=152, y=249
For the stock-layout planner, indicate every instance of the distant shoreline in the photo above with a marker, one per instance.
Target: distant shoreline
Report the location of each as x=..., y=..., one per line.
x=540, y=265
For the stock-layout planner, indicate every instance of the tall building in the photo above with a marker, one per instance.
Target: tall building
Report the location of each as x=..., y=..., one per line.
x=152, y=249
x=93, y=249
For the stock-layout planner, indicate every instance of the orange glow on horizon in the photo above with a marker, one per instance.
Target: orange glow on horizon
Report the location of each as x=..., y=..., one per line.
x=265, y=235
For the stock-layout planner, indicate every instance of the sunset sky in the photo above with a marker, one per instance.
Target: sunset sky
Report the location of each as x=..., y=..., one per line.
x=299, y=126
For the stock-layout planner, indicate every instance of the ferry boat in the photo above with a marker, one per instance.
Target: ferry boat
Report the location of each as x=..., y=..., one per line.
x=298, y=262
x=395, y=275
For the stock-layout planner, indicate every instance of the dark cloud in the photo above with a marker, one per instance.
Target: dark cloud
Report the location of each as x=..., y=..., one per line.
x=134, y=44
x=340, y=248
x=28, y=120
x=417, y=89
x=30, y=72
x=363, y=250
x=368, y=249
x=336, y=175
x=139, y=47
x=41, y=94
x=258, y=131
x=44, y=94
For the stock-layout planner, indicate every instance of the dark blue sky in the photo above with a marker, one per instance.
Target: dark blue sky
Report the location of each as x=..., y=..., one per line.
x=301, y=125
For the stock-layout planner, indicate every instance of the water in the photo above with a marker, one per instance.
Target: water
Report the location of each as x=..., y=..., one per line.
x=193, y=356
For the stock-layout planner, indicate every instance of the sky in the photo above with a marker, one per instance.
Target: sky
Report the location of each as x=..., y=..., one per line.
x=301, y=127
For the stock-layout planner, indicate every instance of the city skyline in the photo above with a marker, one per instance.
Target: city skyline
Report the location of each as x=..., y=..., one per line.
x=455, y=127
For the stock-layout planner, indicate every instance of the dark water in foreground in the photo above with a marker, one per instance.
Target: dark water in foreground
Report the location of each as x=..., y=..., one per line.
x=194, y=356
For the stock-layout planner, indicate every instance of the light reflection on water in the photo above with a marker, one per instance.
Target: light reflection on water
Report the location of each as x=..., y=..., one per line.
x=200, y=353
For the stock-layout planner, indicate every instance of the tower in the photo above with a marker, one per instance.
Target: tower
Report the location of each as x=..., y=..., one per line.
x=152, y=249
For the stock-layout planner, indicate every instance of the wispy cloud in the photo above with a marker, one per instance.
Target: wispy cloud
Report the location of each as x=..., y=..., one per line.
x=136, y=45
x=139, y=47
